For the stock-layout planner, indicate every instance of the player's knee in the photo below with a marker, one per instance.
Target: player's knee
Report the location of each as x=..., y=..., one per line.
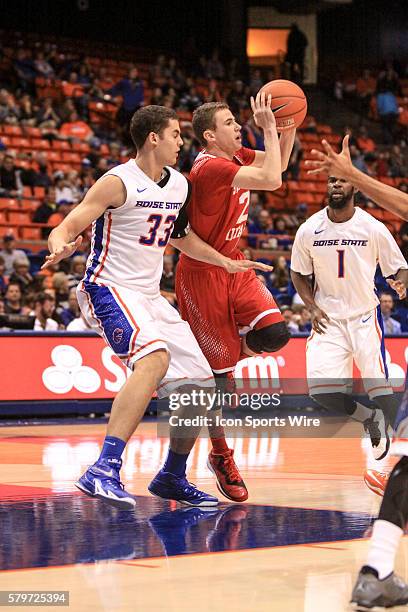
x=394, y=507
x=268, y=339
x=158, y=361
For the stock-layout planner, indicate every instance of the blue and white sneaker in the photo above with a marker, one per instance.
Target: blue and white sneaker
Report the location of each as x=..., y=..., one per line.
x=170, y=486
x=102, y=480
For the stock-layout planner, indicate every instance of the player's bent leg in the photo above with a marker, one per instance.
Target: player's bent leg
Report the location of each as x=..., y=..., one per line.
x=171, y=481
x=268, y=339
x=221, y=458
x=372, y=420
x=102, y=480
x=376, y=584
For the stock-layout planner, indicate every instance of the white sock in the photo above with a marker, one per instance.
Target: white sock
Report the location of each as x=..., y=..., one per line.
x=362, y=413
x=383, y=547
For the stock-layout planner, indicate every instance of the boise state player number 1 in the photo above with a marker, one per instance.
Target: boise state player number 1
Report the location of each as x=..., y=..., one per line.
x=340, y=271
x=156, y=222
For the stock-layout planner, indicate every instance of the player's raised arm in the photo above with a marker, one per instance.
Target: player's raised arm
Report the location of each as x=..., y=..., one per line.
x=339, y=165
x=286, y=142
x=65, y=239
x=268, y=176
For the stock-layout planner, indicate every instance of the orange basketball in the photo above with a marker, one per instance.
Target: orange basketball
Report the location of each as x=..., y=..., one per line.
x=289, y=103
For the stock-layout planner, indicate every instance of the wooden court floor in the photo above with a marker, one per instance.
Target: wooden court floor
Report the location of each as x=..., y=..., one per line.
x=296, y=545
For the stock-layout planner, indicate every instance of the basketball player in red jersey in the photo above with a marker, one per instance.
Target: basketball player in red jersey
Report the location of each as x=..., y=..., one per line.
x=214, y=303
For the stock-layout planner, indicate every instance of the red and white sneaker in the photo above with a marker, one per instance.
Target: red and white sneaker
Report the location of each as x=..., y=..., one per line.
x=229, y=481
x=376, y=481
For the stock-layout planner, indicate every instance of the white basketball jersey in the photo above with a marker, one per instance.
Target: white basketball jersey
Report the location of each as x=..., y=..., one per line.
x=128, y=242
x=343, y=258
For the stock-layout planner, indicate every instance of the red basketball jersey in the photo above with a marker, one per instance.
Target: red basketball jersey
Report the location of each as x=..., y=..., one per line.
x=218, y=212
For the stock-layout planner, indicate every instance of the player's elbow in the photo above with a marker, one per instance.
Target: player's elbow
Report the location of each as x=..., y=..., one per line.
x=271, y=183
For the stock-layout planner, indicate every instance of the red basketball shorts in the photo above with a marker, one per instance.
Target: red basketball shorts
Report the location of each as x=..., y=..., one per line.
x=217, y=304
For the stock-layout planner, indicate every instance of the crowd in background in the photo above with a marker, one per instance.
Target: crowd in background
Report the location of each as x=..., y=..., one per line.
x=49, y=295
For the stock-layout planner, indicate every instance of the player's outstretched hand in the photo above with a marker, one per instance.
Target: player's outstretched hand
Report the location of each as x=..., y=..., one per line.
x=61, y=251
x=399, y=287
x=333, y=164
x=318, y=316
x=242, y=265
x=261, y=107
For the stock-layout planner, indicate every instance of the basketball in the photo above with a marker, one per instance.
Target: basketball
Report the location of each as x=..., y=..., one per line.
x=289, y=103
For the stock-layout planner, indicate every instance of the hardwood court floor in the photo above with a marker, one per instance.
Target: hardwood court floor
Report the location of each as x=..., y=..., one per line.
x=296, y=545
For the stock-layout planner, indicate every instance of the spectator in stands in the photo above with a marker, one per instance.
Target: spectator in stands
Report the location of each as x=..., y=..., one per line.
x=357, y=159
x=47, y=113
x=263, y=225
x=43, y=311
x=213, y=93
x=256, y=82
x=296, y=48
x=65, y=189
x=288, y=316
x=72, y=311
x=398, y=166
x=365, y=89
x=131, y=90
x=304, y=320
x=252, y=135
x=10, y=181
x=13, y=299
x=72, y=88
x=391, y=326
x=25, y=70
x=79, y=324
x=236, y=98
x=60, y=284
x=3, y=279
x=63, y=209
x=27, y=112
x=191, y=100
x=21, y=274
x=382, y=165
x=75, y=129
x=78, y=265
x=9, y=253
x=8, y=107
x=45, y=210
x=101, y=168
x=388, y=81
x=214, y=67
x=279, y=278
x=293, y=221
x=189, y=149
x=114, y=155
x=348, y=131
x=364, y=142
x=387, y=109
x=42, y=67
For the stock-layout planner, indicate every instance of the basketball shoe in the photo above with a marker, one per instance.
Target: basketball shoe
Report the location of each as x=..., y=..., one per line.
x=229, y=481
x=102, y=480
x=371, y=593
x=379, y=431
x=376, y=481
x=170, y=486
x=227, y=529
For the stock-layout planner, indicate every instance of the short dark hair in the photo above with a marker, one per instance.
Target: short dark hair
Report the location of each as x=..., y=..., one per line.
x=43, y=297
x=148, y=119
x=204, y=119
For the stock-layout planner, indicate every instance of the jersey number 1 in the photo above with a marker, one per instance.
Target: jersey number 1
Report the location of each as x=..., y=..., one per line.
x=340, y=265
